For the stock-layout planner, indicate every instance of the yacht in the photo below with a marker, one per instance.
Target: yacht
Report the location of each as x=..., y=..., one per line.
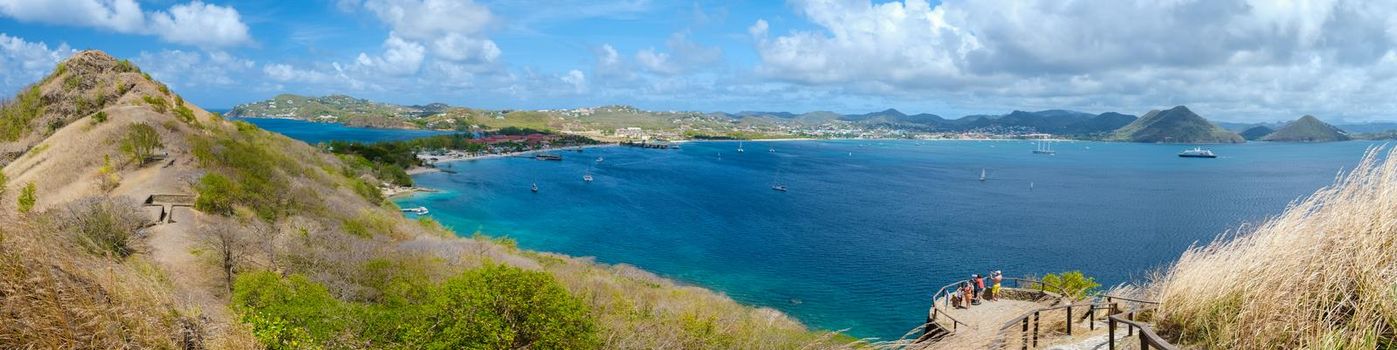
x=417, y=210
x=534, y=187
x=599, y=160
x=1197, y=152
x=1044, y=148
x=778, y=187
x=587, y=178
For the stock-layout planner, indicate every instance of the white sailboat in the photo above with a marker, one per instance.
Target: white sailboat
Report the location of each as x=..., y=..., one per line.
x=739, y=147
x=983, y=175
x=1044, y=148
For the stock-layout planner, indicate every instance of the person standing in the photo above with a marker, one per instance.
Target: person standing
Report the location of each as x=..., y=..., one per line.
x=979, y=287
x=997, y=277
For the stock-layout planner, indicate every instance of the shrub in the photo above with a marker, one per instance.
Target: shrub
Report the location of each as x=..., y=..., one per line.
x=289, y=313
x=99, y=117
x=185, y=114
x=16, y=115
x=107, y=175
x=125, y=66
x=165, y=89
x=140, y=143
x=102, y=225
x=157, y=103
x=216, y=194
x=27, y=198
x=367, y=190
x=1074, y=283
x=503, y=307
x=4, y=183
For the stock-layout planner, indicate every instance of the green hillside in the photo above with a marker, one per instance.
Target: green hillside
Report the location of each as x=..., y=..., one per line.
x=1256, y=132
x=1308, y=129
x=1175, y=125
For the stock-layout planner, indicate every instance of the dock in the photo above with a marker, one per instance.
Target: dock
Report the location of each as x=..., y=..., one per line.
x=650, y=145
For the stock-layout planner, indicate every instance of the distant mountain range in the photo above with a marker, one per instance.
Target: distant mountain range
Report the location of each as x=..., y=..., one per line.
x=1177, y=125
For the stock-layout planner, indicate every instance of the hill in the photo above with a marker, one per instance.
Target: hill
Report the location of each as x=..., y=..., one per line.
x=1256, y=132
x=135, y=219
x=1175, y=125
x=335, y=109
x=1307, y=129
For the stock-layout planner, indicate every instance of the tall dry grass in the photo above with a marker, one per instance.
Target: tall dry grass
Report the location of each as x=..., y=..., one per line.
x=1321, y=275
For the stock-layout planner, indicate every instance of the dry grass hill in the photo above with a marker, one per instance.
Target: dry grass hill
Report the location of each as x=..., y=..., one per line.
x=282, y=246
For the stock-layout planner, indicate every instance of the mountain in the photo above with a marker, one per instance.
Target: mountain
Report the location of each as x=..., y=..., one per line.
x=1175, y=125
x=1101, y=123
x=135, y=219
x=343, y=109
x=1256, y=132
x=1308, y=129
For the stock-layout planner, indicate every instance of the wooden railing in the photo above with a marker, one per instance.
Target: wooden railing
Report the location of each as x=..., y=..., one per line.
x=1028, y=325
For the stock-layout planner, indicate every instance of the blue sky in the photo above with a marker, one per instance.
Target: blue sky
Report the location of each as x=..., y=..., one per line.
x=1235, y=60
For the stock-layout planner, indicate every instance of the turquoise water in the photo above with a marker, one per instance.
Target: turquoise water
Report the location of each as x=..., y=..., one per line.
x=314, y=133
x=869, y=229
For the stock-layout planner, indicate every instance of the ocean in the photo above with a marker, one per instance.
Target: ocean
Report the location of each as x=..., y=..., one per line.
x=868, y=229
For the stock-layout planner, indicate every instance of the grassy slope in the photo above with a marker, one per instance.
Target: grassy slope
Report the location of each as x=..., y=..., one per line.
x=1321, y=275
x=165, y=293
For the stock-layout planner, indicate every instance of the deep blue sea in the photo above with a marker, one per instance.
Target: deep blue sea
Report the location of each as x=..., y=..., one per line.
x=869, y=229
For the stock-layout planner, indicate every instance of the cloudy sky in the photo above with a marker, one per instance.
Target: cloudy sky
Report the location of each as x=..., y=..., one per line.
x=1233, y=60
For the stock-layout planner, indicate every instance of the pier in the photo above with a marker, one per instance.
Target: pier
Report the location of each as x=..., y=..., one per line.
x=650, y=145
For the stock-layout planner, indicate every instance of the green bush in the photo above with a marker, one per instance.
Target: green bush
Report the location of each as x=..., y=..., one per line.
x=157, y=103
x=140, y=143
x=125, y=66
x=289, y=313
x=16, y=115
x=493, y=307
x=185, y=115
x=99, y=117
x=255, y=173
x=1076, y=284
x=165, y=89
x=27, y=197
x=503, y=307
x=368, y=191
x=217, y=194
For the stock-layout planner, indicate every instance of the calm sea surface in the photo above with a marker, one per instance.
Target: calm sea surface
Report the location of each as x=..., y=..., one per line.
x=869, y=229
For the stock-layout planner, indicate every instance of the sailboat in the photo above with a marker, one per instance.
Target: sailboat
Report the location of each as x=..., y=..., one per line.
x=1044, y=148
x=534, y=187
x=739, y=147
x=772, y=149
x=599, y=159
x=983, y=175
x=776, y=184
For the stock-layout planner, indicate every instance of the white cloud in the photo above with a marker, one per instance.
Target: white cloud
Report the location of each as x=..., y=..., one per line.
x=684, y=56
x=187, y=69
x=576, y=79
x=456, y=47
x=23, y=62
x=1239, y=58
x=200, y=24
x=194, y=23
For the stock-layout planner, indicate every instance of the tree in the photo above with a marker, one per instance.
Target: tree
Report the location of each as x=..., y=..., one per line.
x=140, y=143
x=229, y=250
x=1075, y=283
x=27, y=197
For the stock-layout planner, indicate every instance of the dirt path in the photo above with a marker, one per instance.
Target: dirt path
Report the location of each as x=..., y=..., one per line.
x=173, y=246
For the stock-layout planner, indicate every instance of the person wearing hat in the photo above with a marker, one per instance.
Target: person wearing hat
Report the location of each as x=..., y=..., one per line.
x=996, y=277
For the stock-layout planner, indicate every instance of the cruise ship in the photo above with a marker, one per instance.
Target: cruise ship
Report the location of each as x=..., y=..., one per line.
x=1197, y=152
